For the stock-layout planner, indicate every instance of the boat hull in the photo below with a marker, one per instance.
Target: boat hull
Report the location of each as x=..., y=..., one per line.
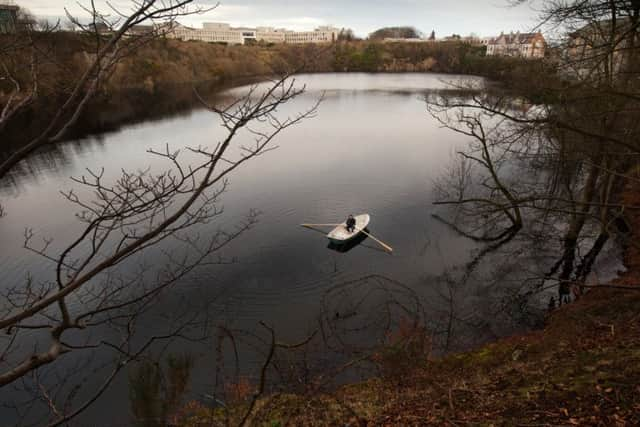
x=340, y=235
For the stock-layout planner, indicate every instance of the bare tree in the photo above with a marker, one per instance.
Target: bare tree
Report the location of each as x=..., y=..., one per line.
x=139, y=212
x=111, y=44
x=101, y=280
x=571, y=154
x=372, y=324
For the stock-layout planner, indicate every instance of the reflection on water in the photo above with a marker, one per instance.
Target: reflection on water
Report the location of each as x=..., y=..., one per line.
x=372, y=148
x=349, y=244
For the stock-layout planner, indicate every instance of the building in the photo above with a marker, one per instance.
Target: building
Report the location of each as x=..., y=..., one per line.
x=403, y=40
x=101, y=28
x=210, y=32
x=271, y=35
x=216, y=32
x=521, y=45
x=472, y=40
x=486, y=41
x=319, y=35
x=8, y=18
x=140, y=31
x=589, y=50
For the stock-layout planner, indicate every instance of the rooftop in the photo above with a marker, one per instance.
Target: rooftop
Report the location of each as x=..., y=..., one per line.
x=515, y=38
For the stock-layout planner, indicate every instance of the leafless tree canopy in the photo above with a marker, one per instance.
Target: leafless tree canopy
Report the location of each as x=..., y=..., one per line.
x=548, y=162
x=140, y=212
x=111, y=33
x=369, y=324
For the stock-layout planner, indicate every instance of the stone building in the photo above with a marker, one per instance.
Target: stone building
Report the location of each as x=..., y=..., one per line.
x=522, y=45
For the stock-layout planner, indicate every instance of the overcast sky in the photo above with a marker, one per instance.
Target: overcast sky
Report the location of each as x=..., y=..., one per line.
x=482, y=17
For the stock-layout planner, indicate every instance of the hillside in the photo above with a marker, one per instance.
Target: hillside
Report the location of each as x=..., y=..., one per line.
x=158, y=79
x=583, y=368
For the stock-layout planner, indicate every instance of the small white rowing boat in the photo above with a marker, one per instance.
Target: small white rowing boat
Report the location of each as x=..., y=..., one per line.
x=340, y=235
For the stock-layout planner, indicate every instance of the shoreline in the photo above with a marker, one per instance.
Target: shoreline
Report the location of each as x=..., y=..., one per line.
x=111, y=110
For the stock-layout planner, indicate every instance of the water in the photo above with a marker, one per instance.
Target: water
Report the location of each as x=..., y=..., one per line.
x=372, y=148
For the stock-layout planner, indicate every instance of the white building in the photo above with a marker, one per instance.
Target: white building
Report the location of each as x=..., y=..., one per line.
x=319, y=35
x=216, y=32
x=271, y=35
x=210, y=32
x=486, y=41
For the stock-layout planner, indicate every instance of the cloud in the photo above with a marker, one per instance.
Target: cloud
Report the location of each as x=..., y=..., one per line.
x=484, y=17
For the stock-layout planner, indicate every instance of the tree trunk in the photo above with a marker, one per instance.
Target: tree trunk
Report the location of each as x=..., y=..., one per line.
x=573, y=233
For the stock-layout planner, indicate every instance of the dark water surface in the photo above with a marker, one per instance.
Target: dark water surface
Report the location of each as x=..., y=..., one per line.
x=372, y=148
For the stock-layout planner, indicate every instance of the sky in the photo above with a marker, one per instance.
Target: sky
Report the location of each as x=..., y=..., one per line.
x=481, y=17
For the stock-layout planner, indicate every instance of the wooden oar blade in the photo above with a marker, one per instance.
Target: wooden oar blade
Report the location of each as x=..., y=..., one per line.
x=383, y=244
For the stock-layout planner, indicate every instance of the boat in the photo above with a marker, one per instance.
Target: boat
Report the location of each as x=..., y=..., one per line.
x=340, y=235
x=349, y=244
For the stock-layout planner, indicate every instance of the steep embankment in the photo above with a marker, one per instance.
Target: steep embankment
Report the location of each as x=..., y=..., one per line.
x=582, y=369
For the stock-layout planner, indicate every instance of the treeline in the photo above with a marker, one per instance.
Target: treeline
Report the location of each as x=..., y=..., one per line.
x=159, y=77
x=395, y=32
x=178, y=62
x=164, y=61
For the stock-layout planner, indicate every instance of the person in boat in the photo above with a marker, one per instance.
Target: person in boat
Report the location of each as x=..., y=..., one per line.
x=351, y=224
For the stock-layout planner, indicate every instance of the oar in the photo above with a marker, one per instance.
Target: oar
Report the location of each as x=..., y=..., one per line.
x=383, y=244
x=316, y=227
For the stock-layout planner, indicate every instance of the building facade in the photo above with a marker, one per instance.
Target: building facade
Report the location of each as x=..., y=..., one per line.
x=270, y=35
x=8, y=18
x=215, y=32
x=319, y=35
x=521, y=45
x=210, y=32
x=589, y=51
